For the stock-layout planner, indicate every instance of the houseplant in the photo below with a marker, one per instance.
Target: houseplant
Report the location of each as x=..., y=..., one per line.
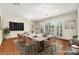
x=6, y=32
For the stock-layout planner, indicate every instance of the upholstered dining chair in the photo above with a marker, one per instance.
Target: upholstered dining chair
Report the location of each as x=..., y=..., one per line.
x=20, y=37
x=20, y=43
x=51, y=41
x=50, y=45
x=29, y=45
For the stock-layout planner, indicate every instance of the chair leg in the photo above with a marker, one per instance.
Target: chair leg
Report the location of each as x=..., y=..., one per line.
x=53, y=49
x=33, y=50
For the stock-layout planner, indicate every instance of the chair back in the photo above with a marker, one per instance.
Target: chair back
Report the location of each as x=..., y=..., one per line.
x=25, y=39
x=20, y=37
x=28, y=41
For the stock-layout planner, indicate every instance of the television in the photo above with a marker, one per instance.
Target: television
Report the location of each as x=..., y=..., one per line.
x=15, y=26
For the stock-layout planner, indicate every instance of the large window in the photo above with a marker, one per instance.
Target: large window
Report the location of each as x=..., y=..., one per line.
x=54, y=27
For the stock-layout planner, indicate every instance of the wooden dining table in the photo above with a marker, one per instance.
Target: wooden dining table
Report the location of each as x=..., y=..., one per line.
x=39, y=39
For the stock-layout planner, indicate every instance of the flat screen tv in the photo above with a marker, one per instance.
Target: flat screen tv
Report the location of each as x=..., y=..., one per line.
x=15, y=26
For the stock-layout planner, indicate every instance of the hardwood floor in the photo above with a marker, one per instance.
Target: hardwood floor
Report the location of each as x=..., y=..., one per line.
x=63, y=44
x=8, y=47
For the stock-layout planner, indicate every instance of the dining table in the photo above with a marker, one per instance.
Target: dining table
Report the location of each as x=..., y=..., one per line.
x=39, y=38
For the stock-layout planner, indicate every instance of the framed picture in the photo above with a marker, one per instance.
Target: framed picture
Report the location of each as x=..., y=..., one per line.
x=70, y=24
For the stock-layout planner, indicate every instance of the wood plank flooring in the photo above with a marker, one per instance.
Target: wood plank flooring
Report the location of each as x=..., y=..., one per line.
x=8, y=47
x=64, y=45
x=59, y=42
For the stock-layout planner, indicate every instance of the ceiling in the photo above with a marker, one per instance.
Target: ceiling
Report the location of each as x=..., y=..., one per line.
x=37, y=11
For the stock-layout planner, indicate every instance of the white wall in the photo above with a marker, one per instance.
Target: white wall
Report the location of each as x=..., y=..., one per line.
x=67, y=33
x=27, y=24
x=0, y=26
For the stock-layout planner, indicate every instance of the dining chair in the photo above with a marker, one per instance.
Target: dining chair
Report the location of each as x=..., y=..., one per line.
x=28, y=45
x=20, y=43
x=51, y=41
x=20, y=37
x=50, y=45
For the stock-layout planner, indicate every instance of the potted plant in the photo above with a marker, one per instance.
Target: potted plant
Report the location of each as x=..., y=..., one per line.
x=6, y=32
